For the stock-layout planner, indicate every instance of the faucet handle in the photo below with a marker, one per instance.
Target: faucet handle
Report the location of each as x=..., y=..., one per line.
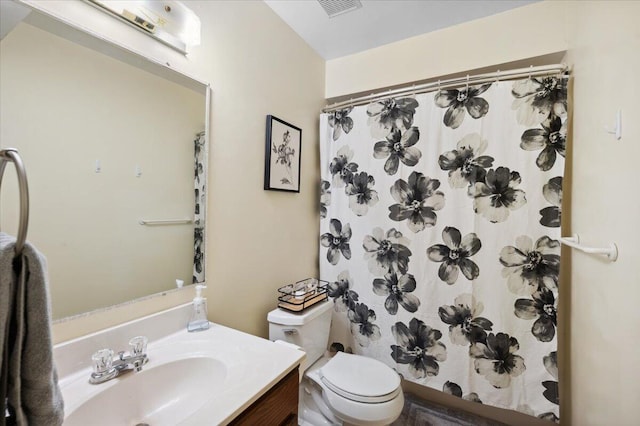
x=138, y=345
x=102, y=361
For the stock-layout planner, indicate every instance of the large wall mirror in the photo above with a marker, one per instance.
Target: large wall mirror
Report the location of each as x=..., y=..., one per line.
x=106, y=145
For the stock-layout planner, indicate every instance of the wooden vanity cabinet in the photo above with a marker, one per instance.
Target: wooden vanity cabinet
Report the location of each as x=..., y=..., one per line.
x=279, y=406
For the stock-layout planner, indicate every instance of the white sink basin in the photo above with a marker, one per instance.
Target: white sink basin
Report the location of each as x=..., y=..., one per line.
x=196, y=379
x=158, y=395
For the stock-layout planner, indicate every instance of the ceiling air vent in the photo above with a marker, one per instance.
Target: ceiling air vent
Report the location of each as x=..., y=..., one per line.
x=338, y=7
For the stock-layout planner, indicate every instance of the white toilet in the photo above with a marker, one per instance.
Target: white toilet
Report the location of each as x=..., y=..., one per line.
x=346, y=388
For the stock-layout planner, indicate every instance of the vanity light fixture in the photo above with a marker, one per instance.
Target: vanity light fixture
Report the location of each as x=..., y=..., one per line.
x=170, y=22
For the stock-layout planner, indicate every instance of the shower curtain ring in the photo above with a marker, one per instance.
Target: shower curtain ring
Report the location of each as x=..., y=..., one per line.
x=467, y=82
x=438, y=86
x=498, y=78
x=530, y=71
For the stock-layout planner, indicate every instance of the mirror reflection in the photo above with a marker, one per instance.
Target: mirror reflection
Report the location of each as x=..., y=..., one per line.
x=106, y=145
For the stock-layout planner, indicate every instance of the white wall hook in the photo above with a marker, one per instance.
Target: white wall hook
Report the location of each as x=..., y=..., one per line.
x=98, y=166
x=617, y=130
x=610, y=252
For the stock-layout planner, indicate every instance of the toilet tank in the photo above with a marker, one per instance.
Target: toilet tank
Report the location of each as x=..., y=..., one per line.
x=309, y=330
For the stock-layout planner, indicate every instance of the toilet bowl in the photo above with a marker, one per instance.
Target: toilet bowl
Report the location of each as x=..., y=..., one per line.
x=357, y=389
x=346, y=388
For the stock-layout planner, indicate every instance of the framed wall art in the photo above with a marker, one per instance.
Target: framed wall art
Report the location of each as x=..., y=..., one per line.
x=282, y=156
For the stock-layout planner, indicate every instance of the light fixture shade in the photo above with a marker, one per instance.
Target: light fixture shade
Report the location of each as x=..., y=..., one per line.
x=169, y=21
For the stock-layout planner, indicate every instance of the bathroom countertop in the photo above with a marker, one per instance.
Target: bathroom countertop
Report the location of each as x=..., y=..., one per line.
x=270, y=363
x=251, y=366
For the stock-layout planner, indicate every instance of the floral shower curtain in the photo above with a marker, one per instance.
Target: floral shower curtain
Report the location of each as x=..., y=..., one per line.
x=440, y=220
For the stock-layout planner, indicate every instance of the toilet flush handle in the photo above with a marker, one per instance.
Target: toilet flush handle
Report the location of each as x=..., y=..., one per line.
x=290, y=331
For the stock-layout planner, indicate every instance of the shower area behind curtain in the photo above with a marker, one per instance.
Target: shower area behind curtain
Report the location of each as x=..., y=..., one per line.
x=440, y=220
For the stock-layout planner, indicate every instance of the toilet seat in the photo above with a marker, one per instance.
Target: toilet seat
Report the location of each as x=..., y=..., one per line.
x=360, y=379
x=360, y=398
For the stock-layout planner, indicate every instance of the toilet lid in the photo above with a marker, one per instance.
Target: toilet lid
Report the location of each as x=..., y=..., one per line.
x=360, y=378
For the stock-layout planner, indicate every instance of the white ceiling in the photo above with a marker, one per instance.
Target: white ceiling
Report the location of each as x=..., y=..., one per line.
x=380, y=22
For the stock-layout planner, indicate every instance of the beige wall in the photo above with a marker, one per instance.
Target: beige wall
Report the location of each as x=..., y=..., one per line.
x=604, y=318
x=600, y=318
x=257, y=240
x=64, y=106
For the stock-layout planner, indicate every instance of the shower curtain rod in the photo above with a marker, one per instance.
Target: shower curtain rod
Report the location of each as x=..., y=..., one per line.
x=515, y=74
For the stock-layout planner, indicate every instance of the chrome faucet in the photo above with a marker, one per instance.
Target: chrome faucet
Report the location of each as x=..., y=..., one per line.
x=106, y=368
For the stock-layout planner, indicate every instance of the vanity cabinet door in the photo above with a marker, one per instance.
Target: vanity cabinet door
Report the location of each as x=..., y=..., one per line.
x=279, y=406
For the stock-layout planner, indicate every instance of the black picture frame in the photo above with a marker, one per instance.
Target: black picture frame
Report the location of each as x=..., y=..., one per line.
x=283, y=146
